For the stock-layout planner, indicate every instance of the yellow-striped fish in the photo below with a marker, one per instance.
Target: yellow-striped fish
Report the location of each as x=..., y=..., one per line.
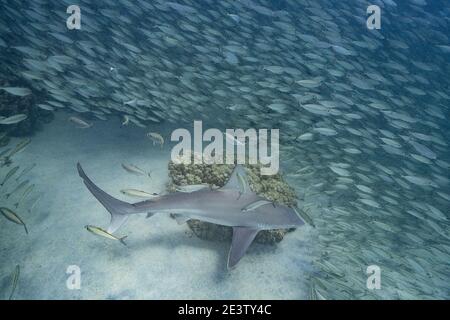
x=103, y=233
x=9, y=175
x=13, y=217
x=138, y=193
x=19, y=147
x=16, y=276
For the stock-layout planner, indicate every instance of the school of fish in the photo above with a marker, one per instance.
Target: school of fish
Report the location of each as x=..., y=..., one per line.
x=363, y=114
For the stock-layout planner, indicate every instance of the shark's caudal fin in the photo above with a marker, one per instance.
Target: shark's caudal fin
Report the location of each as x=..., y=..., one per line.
x=242, y=239
x=119, y=210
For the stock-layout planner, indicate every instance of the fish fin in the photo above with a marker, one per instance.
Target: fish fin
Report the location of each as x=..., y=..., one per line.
x=180, y=218
x=242, y=239
x=150, y=214
x=122, y=240
x=304, y=217
x=117, y=220
x=233, y=182
x=119, y=210
x=26, y=229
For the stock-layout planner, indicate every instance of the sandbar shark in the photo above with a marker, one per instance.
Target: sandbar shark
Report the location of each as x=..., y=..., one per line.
x=227, y=206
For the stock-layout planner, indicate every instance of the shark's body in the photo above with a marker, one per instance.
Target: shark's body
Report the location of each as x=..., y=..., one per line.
x=223, y=206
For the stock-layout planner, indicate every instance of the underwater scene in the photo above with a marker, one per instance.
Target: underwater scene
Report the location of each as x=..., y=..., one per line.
x=246, y=149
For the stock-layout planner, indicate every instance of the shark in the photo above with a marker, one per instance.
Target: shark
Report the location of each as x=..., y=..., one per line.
x=234, y=205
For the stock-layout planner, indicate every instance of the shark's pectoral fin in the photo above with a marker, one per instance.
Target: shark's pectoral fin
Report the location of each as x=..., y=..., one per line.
x=242, y=239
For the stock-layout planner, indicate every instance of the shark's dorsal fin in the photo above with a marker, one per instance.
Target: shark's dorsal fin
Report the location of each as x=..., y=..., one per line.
x=242, y=239
x=238, y=180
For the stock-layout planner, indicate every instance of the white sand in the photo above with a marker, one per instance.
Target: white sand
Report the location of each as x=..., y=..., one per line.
x=162, y=260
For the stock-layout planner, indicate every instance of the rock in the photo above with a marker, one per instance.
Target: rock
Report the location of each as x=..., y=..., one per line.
x=272, y=187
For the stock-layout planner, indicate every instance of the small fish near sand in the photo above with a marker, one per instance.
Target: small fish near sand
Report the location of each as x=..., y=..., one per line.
x=17, y=188
x=34, y=202
x=156, y=138
x=4, y=152
x=3, y=134
x=9, y=175
x=314, y=294
x=24, y=195
x=5, y=162
x=13, y=119
x=138, y=193
x=105, y=234
x=131, y=168
x=16, y=91
x=15, y=280
x=80, y=123
x=19, y=147
x=25, y=171
x=13, y=217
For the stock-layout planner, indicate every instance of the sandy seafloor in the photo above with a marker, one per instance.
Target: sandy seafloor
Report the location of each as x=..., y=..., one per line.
x=163, y=260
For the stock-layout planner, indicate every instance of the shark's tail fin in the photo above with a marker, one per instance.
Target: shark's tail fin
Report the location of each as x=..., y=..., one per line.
x=119, y=210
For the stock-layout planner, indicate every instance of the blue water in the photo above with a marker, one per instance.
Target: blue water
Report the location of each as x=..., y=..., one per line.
x=372, y=175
